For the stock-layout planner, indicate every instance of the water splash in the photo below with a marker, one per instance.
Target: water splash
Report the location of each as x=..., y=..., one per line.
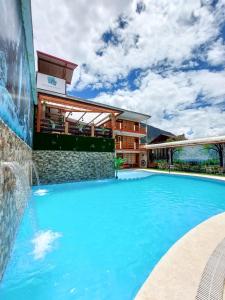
x=43, y=243
x=40, y=192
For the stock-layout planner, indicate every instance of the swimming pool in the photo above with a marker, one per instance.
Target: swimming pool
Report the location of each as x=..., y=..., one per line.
x=100, y=240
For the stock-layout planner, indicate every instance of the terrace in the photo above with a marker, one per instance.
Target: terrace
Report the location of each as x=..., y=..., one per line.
x=128, y=126
x=69, y=116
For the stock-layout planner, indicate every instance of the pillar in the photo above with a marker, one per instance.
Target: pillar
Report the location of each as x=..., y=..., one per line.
x=39, y=113
x=170, y=156
x=66, y=127
x=223, y=157
x=92, y=130
x=113, y=124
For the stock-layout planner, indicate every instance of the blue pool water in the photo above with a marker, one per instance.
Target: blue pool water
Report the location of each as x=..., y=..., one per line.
x=100, y=240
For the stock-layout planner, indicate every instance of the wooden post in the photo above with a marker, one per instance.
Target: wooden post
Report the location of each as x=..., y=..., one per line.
x=113, y=124
x=223, y=157
x=66, y=127
x=39, y=113
x=92, y=130
x=113, y=121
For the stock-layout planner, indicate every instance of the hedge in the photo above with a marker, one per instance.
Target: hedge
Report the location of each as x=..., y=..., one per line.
x=46, y=141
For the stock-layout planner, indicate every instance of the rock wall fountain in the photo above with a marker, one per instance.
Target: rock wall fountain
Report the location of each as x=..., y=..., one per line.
x=15, y=175
x=17, y=97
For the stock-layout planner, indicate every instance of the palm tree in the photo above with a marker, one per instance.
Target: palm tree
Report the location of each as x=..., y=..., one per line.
x=118, y=162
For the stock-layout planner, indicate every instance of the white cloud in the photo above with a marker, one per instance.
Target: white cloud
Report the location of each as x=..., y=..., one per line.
x=216, y=53
x=175, y=96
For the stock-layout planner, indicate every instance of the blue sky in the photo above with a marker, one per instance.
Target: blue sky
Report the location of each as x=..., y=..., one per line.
x=161, y=57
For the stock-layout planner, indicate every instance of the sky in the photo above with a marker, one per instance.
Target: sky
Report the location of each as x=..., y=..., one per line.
x=165, y=58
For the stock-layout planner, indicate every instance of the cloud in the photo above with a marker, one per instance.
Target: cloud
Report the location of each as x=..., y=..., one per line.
x=177, y=94
x=216, y=53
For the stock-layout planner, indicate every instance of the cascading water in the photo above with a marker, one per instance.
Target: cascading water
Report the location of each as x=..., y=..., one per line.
x=22, y=186
x=34, y=168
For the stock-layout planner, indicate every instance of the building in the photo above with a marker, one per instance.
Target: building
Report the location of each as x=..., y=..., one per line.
x=156, y=136
x=128, y=131
x=60, y=113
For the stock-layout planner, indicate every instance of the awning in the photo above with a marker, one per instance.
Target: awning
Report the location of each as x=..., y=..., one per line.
x=186, y=143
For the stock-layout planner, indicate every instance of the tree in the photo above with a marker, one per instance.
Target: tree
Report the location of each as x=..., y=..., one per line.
x=118, y=162
x=174, y=150
x=218, y=148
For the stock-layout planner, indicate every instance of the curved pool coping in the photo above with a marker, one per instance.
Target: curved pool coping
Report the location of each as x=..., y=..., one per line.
x=179, y=272
x=212, y=177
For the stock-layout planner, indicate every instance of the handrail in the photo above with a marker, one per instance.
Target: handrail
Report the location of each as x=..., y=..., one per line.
x=128, y=129
x=56, y=126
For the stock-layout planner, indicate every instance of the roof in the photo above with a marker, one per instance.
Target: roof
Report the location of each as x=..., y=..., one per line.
x=154, y=132
x=54, y=66
x=193, y=142
x=161, y=138
x=124, y=113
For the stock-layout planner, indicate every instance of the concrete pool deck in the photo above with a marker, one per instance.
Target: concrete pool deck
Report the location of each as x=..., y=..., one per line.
x=191, y=269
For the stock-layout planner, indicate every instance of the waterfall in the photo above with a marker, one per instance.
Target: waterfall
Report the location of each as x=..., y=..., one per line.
x=22, y=188
x=34, y=168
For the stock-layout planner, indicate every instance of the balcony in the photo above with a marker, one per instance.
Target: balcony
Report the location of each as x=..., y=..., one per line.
x=131, y=129
x=127, y=146
x=70, y=128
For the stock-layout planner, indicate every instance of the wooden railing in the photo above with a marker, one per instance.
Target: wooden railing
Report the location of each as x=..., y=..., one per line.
x=127, y=146
x=134, y=128
x=50, y=126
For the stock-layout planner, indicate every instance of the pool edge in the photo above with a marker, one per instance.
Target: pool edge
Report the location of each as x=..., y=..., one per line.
x=178, y=273
x=212, y=177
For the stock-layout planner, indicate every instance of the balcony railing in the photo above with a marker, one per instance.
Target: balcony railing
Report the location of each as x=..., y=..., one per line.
x=127, y=146
x=50, y=126
x=135, y=128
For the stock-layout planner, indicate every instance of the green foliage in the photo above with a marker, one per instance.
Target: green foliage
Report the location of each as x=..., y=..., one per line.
x=210, y=166
x=118, y=163
x=63, y=142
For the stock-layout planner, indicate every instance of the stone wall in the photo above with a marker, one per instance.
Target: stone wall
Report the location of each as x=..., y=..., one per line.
x=15, y=158
x=65, y=166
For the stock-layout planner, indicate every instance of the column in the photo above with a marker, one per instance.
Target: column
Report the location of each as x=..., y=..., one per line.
x=113, y=124
x=92, y=130
x=39, y=113
x=223, y=157
x=66, y=127
x=170, y=156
